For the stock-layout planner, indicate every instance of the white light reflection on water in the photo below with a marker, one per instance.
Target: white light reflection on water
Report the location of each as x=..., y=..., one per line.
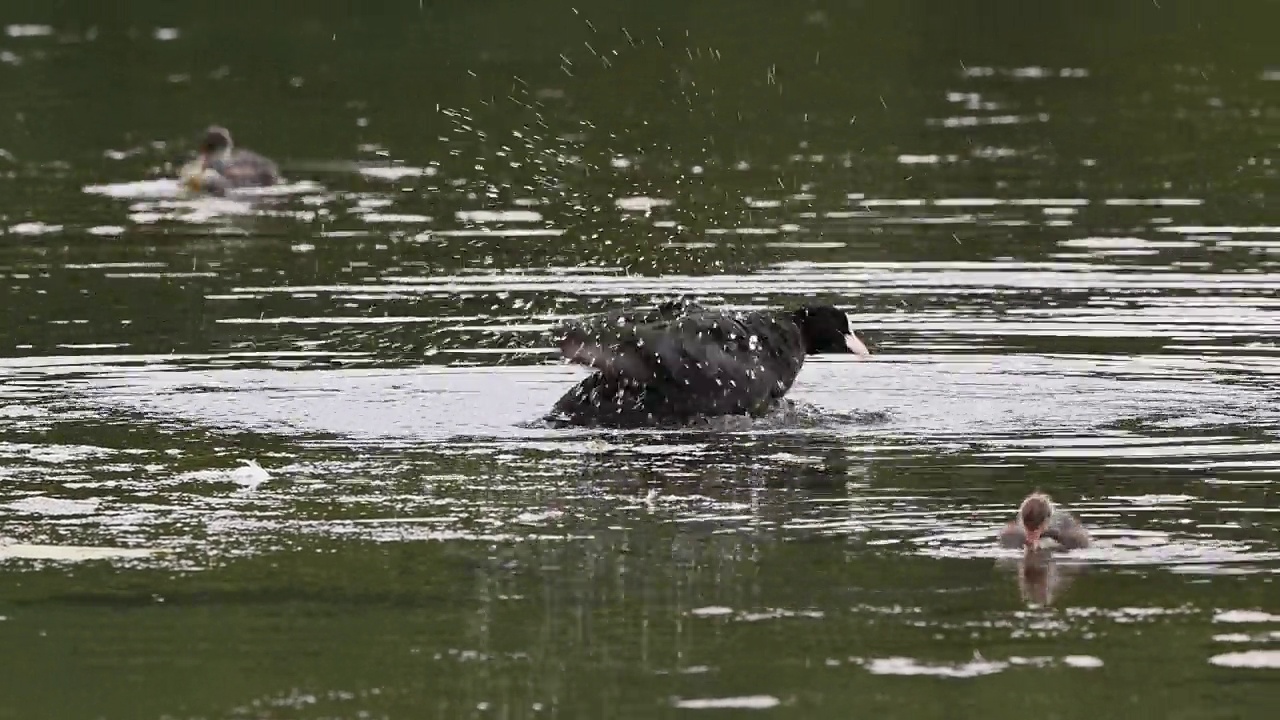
x=1257, y=659
x=743, y=702
x=973, y=668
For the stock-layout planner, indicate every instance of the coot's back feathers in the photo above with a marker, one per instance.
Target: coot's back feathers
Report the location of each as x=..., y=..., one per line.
x=681, y=361
x=626, y=343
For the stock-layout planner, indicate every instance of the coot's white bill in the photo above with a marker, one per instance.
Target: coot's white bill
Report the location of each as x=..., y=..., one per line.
x=856, y=346
x=852, y=341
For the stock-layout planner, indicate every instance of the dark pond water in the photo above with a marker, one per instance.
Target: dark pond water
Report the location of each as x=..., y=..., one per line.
x=1053, y=220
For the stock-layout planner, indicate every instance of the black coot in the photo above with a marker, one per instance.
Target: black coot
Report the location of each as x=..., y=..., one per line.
x=680, y=362
x=220, y=166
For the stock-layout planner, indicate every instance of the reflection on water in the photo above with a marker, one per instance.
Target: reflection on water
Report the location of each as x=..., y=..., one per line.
x=290, y=438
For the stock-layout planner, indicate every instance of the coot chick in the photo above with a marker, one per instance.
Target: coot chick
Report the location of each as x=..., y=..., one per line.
x=1038, y=517
x=220, y=166
x=682, y=362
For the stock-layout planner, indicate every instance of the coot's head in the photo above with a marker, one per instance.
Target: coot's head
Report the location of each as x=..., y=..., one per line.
x=827, y=330
x=1034, y=515
x=217, y=140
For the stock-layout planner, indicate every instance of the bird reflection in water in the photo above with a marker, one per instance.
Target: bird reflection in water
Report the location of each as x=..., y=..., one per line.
x=1041, y=578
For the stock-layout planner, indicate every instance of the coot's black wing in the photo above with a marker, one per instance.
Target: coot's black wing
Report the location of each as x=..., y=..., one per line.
x=720, y=362
x=605, y=324
x=612, y=342
x=609, y=401
x=695, y=363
